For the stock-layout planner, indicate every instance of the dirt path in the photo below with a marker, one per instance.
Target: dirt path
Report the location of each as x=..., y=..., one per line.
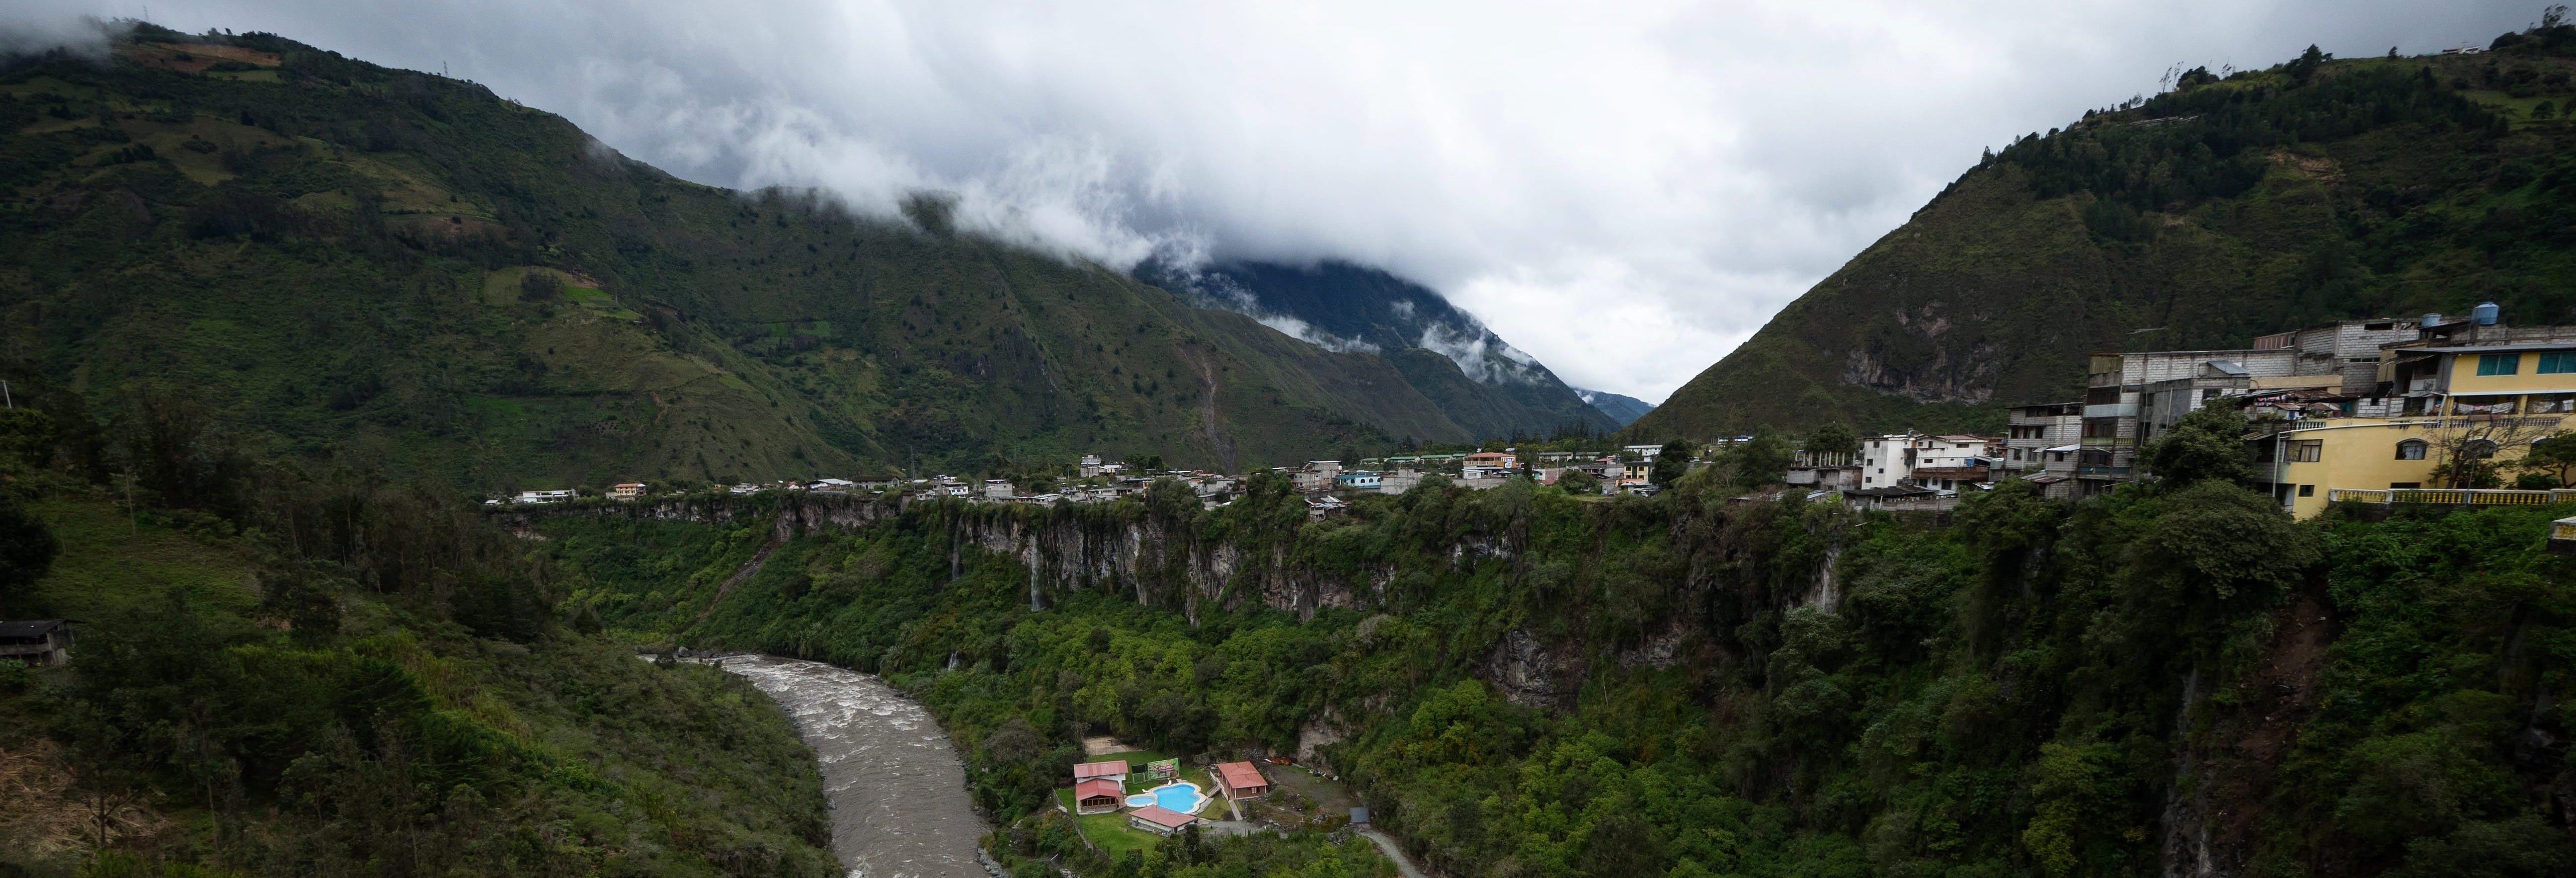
x=777, y=538
x=1333, y=798
x=1393, y=851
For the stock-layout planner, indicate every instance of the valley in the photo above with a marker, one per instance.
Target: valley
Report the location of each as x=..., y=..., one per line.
x=383, y=461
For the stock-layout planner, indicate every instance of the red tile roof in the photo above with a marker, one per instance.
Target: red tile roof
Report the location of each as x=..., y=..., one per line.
x=1098, y=786
x=1161, y=816
x=1088, y=770
x=1239, y=775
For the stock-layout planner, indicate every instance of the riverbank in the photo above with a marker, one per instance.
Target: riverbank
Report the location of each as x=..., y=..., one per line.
x=897, y=787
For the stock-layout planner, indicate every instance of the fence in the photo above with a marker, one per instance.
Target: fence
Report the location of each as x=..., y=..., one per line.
x=2450, y=496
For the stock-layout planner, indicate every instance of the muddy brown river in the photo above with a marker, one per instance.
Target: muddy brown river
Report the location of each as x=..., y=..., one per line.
x=897, y=788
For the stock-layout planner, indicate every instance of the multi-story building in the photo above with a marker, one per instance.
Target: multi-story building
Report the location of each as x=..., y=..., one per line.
x=1946, y=462
x=1887, y=461
x=2463, y=389
x=2034, y=429
x=2130, y=397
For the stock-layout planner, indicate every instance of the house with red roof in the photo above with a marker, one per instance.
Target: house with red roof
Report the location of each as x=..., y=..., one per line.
x=1239, y=780
x=1159, y=820
x=1098, y=795
x=1114, y=769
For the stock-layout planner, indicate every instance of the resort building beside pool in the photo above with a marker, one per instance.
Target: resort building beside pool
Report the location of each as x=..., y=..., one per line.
x=1239, y=780
x=1159, y=820
x=1113, y=770
x=1098, y=795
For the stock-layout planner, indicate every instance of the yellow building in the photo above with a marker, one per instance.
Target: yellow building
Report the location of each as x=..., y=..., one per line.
x=2320, y=456
x=2528, y=379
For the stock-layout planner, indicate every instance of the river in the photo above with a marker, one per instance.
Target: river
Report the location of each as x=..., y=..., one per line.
x=897, y=789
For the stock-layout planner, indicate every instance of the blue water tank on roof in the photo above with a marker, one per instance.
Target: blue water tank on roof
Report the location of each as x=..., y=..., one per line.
x=2484, y=314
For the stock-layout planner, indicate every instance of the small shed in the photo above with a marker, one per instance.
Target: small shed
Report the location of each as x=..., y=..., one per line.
x=1097, y=796
x=1114, y=769
x=1159, y=820
x=1240, y=780
x=37, y=642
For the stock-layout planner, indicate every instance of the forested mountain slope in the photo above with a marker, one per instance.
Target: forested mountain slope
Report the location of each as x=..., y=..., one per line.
x=2205, y=216
x=349, y=260
x=1480, y=381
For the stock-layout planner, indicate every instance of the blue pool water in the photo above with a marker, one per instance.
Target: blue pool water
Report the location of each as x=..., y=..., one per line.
x=1181, y=796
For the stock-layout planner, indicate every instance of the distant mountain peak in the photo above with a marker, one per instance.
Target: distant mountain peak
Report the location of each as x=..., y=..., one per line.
x=1624, y=409
x=1350, y=308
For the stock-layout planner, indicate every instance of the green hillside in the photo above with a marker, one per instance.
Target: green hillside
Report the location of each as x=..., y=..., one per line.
x=275, y=675
x=2225, y=209
x=345, y=261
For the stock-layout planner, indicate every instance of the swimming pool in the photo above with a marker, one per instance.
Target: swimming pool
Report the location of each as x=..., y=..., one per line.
x=1181, y=796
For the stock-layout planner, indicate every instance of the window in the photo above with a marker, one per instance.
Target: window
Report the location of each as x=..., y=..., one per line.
x=2405, y=486
x=2307, y=490
x=2411, y=449
x=2480, y=448
x=2308, y=451
x=2499, y=364
x=2559, y=363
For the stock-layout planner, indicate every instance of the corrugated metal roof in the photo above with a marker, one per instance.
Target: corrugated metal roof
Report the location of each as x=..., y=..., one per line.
x=1111, y=768
x=1098, y=786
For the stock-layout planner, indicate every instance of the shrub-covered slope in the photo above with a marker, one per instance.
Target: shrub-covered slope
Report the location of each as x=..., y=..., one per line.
x=2222, y=210
x=281, y=675
x=401, y=268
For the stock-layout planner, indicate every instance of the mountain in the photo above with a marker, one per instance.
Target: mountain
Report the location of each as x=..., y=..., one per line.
x=336, y=260
x=1483, y=384
x=1624, y=409
x=2205, y=216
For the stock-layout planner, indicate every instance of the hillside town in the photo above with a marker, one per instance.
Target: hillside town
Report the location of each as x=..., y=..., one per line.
x=1327, y=483
x=2353, y=410
x=2385, y=410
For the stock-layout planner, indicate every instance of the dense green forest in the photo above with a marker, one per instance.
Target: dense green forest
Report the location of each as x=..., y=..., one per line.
x=285, y=672
x=361, y=263
x=2222, y=209
x=1526, y=682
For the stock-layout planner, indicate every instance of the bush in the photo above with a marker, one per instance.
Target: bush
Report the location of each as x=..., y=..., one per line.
x=540, y=286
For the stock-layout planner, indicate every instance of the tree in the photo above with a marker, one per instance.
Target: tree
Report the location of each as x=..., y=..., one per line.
x=2552, y=456
x=1672, y=462
x=1832, y=438
x=27, y=550
x=2205, y=444
x=1762, y=460
x=1576, y=481
x=2468, y=454
x=2305, y=66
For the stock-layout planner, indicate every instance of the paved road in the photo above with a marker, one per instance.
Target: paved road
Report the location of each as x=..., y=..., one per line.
x=897, y=788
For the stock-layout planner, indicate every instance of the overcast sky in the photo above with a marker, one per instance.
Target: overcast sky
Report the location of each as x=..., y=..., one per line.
x=1626, y=190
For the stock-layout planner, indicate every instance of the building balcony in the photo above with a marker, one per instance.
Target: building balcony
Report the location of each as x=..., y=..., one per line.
x=2094, y=470
x=2112, y=410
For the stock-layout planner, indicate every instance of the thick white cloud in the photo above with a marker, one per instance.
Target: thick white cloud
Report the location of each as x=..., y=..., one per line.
x=1625, y=191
